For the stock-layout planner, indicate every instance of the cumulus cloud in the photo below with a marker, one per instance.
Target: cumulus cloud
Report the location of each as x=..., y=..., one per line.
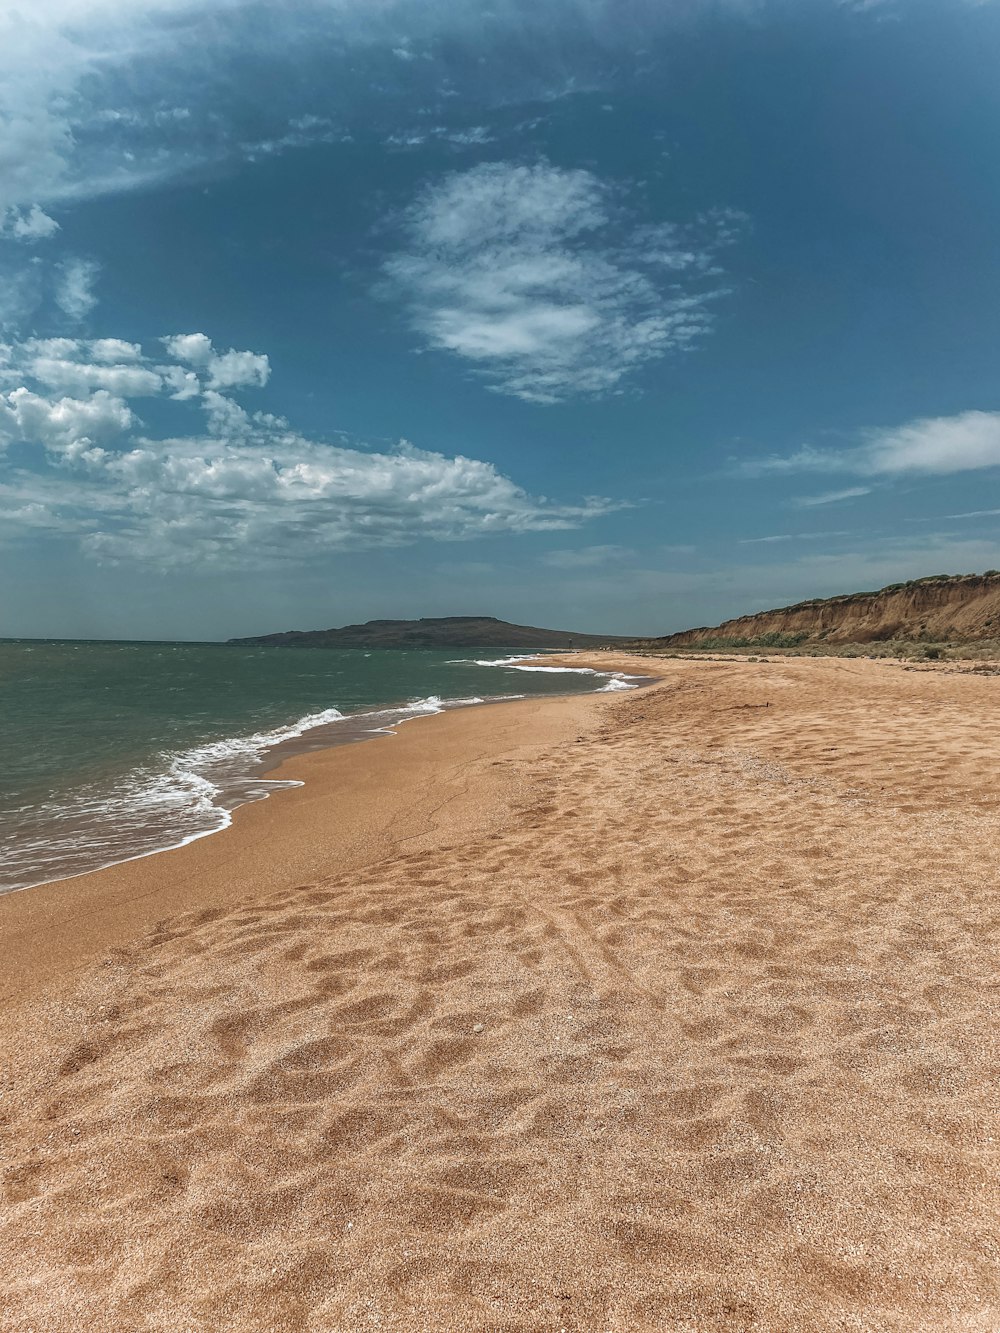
x=74, y=291
x=81, y=377
x=535, y=275
x=27, y=224
x=233, y=370
x=193, y=347
x=77, y=366
x=241, y=486
x=68, y=427
x=929, y=446
x=114, y=349
x=226, y=370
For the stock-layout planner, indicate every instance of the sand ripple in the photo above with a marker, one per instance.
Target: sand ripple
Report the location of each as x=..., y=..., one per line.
x=705, y=1040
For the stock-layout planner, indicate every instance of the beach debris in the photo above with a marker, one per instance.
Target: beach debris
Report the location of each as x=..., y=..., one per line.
x=478, y=1027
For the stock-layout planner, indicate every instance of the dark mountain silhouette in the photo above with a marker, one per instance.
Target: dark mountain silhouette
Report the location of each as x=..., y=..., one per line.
x=439, y=632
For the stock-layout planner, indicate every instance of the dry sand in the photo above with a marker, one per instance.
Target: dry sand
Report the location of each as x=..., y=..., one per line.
x=666, y=1011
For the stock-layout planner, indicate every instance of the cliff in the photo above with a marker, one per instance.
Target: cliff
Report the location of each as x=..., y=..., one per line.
x=443, y=632
x=957, y=608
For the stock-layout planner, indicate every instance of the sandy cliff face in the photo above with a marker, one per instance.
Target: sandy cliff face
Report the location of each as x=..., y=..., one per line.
x=961, y=608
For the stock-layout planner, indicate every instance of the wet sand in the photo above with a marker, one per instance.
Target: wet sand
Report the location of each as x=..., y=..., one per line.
x=672, y=1010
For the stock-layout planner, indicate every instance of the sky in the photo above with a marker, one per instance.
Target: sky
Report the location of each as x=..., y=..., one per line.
x=608, y=315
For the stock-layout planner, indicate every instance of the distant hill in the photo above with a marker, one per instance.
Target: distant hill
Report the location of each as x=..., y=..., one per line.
x=442, y=632
x=956, y=608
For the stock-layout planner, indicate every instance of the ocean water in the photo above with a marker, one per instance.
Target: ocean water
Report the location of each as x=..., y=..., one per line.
x=110, y=751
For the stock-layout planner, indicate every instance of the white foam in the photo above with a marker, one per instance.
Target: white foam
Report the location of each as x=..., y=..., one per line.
x=499, y=661
x=432, y=704
x=395, y=717
x=619, y=682
x=191, y=794
x=239, y=746
x=573, y=671
x=615, y=680
x=517, y=663
x=179, y=802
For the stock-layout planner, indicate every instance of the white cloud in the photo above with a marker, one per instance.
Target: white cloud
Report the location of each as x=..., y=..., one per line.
x=473, y=137
x=75, y=287
x=57, y=347
x=524, y=272
x=250, y=490
x=80, y=377
x=476, y=134
x=78, y=366
x=225, y=417
x=805, y=459
x=59, y=61
x=27, y=224
x=21, y=286
x=937, y=445
x=930, y=446
x=103, y=95
x=195, y=348
x=114, y=349
x=791, y=537
x=232, y=370
x=831, y=497
x=226, y=370
x=66, y=426
x=184, y=384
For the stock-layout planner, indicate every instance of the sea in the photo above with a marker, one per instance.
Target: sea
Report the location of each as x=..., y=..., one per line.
x=112, y=751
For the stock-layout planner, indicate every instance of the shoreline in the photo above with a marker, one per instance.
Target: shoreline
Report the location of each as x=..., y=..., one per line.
x=266, y=765
x=45, y=924
x=256, y=783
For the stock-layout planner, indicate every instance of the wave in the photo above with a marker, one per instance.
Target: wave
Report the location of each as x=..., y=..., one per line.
x=616, y=680
x=233, y=747
x=559, y=670
x=619, y=681
x=494, y=662
x=180, y=796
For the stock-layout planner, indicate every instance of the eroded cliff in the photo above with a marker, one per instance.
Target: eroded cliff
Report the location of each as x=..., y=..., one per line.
x=955, y=608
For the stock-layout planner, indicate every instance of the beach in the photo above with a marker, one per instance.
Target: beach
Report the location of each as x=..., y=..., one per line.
x=669, y=1009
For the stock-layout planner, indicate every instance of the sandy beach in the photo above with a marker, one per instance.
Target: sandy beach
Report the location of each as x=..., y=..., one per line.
x=669, y=1010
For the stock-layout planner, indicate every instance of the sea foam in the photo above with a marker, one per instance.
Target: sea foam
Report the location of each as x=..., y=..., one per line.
x=176, y=796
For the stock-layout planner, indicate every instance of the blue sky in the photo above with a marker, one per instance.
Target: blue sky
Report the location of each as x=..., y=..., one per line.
x=607, y=316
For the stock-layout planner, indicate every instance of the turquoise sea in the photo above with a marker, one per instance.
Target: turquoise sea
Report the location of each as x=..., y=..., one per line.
x=115, y=750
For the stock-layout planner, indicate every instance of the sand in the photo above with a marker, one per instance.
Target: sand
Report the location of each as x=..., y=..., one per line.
x=672, y=1010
